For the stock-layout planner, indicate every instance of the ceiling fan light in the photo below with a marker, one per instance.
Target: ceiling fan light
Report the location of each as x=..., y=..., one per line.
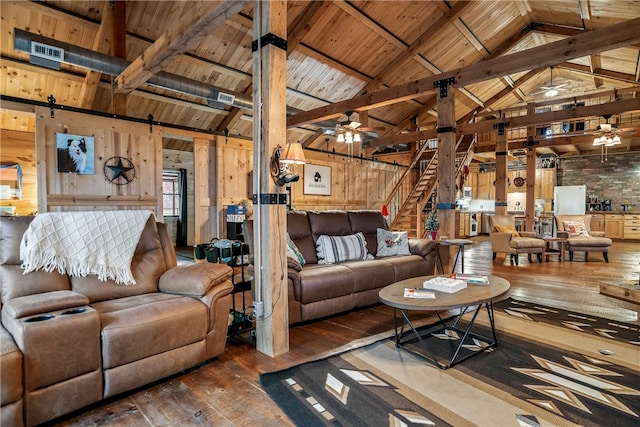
x=357, y=138
x=616, y=139
x=340, y=137
x=348, y=138
x=550, y=93
x=596, y=141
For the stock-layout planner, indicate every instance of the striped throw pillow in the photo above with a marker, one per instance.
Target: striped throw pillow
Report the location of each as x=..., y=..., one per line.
x=333, y=249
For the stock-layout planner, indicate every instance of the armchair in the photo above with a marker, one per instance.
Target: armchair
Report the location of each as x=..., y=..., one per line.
x=577, y=230
x=505, y=239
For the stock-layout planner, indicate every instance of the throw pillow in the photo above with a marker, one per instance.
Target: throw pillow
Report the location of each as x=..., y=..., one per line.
x=333, y=249
x=293, y=251
x=507, y=229
x=392, y=243
x=575, y=228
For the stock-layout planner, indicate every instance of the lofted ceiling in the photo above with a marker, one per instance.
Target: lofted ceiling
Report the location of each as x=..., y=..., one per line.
x=343, y=53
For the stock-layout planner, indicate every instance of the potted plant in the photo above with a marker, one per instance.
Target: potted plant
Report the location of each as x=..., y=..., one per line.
x=432, y=224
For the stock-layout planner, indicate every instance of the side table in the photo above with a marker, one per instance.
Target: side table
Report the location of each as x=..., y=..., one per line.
x=562, y=243
x=460, y=243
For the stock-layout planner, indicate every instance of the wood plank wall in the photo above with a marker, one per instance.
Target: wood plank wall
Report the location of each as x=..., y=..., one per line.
x=112, y=137
x=222, y=170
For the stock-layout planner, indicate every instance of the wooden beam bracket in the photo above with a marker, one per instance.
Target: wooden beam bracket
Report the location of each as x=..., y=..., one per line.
x=501, y=153
x=270, y=199
x=443, y=85
x=501, y=127
x=446, y=129
x=446, y=206
x=530, y=143
x=269, y=38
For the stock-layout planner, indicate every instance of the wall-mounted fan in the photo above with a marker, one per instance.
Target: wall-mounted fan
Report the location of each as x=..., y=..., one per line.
x=553, y=89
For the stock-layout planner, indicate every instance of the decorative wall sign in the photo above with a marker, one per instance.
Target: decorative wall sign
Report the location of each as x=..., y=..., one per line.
x=119, y=170
x=75, y=153
x=317, y=179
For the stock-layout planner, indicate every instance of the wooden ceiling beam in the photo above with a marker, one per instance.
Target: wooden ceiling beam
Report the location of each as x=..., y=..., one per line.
x=422, y=40
x=615, y=107
x=102, y=44
x=604, y=74
x=612, y=37
x=302, y=25
x=176, y=40
x=370, y=24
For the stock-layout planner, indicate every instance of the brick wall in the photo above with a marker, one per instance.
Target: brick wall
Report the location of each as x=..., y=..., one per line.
x=617, y=178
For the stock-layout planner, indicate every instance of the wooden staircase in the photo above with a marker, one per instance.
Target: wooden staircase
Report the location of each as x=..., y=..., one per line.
x=405, y=213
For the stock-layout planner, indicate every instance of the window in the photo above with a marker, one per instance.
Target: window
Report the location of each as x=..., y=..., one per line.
x=171, y=193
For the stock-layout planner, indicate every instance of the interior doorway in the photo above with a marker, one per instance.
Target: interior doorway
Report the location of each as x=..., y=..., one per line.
x=178, y=189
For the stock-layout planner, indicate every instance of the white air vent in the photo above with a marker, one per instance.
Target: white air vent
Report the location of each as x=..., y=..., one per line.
x=48, y=52
x=226, y=98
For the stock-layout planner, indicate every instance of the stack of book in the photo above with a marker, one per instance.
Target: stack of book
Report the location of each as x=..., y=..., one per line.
x=444, y=284
x=471, y=278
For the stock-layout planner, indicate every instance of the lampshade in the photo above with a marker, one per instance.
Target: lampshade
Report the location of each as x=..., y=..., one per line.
x=340, y=137
x=293, y=153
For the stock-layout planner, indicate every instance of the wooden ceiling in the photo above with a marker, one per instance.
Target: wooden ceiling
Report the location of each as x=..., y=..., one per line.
x=347, y=55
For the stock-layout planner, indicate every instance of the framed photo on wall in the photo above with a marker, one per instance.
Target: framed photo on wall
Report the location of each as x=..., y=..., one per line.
x=75, y=153
x=317, y=179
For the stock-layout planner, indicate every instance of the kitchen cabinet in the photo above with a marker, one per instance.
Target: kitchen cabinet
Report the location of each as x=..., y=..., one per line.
x=632, y=226
x=486, y=188
x=597, y=222
x=545, y=181
x=462, y=224
x=614, y=226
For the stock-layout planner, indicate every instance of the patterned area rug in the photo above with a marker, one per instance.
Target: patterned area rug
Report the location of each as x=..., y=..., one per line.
x=551, y=367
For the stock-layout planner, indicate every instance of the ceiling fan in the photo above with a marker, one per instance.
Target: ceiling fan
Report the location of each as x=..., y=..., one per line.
x=608, y=135
x=350, y=131
x=551, y=90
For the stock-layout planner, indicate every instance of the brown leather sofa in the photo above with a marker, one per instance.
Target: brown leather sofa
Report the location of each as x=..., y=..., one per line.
x=68, y=342
x=319, y=290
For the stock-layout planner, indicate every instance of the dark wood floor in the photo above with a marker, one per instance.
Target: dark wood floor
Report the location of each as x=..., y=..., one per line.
x=226, y=391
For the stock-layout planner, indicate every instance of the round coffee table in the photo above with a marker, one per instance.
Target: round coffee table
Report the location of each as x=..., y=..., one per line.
x=470, y=301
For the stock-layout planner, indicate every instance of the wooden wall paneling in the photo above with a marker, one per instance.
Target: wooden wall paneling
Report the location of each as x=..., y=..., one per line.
x=205, y=190
x=68, y=191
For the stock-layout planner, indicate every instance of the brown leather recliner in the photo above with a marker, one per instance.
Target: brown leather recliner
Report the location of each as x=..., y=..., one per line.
x=69, y=341
x=593, y=241
x=513, y=243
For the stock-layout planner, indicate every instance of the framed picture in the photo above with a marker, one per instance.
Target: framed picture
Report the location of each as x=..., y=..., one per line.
x=317, y=180
x=75, y=153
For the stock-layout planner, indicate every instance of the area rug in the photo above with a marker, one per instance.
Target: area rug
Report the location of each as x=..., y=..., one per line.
x=551, y=367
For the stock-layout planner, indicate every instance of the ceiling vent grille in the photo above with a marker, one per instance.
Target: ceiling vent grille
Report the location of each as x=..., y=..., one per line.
x=48, y=52
x=225, y=98
x=46, y=55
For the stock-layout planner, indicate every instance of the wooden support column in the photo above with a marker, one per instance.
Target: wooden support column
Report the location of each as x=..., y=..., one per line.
x=119, y=50
x=502, y=157
x=446, y=170
x=270, y=216
x=530, y=204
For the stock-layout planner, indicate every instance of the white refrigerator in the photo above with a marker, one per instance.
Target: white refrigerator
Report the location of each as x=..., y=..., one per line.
x=569, y=199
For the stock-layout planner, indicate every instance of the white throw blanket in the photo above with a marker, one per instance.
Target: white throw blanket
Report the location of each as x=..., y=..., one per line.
x=83, y=243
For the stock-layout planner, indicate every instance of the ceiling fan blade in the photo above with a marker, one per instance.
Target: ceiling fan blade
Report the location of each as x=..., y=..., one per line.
x=370, y=128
